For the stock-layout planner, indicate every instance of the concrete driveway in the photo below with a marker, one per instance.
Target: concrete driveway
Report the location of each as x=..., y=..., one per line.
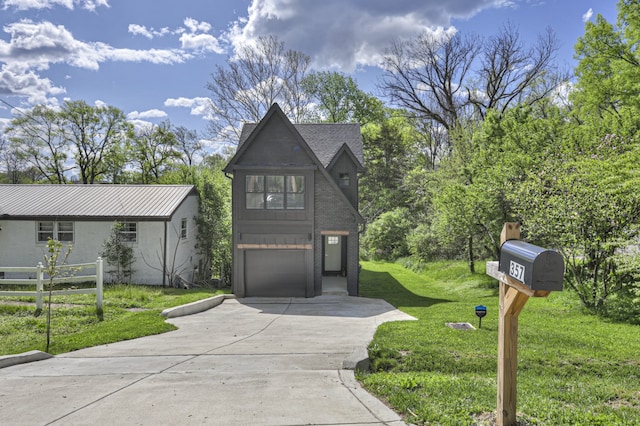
x=248, y=361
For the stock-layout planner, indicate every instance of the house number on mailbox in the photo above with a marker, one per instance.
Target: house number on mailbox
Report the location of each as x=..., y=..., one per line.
x=516, y=270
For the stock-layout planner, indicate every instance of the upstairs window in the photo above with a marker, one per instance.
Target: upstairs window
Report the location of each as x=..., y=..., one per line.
x=343, y=180
x=274, y=192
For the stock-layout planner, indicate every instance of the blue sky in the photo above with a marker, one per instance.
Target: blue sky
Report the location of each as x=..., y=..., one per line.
x=153, y=58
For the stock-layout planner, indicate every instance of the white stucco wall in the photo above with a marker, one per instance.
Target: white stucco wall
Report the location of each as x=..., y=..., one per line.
x=18, y=246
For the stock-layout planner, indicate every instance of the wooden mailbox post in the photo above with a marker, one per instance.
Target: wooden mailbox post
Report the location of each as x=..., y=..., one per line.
x=524, y=271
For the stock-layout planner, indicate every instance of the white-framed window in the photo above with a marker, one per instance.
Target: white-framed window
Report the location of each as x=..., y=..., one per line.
x=183, y=228
x=56, y=230
x=129, y=232
x=275, y=192
x=333, y=239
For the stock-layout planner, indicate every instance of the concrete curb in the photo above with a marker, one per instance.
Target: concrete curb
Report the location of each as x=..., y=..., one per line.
x=178, y=311
x=23, y=358
x=197, y=306
x=358, y=360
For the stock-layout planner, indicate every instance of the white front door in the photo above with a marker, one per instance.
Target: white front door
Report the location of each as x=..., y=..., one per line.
x=332, y=253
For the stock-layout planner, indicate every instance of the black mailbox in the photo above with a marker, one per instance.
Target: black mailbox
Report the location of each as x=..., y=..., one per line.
x=535, y=267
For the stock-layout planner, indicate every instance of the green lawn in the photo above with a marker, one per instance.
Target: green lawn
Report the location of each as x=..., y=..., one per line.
x=130, y=311
x=573, y=368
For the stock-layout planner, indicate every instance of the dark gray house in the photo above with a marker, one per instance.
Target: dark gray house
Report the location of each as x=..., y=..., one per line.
x=295, y=206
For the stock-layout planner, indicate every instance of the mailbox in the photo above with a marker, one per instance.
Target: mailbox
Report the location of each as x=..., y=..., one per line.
x=535, y=267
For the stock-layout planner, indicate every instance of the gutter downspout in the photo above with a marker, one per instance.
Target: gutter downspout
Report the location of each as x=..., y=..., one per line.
x=164, y=257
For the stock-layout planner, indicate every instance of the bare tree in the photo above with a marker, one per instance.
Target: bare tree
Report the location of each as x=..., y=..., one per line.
x=511, y=73
x=426, y=76
x=189, y=143
x=252, y=81
x=438, y=78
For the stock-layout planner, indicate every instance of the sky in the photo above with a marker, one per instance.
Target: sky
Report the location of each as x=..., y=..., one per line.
x=153, y=58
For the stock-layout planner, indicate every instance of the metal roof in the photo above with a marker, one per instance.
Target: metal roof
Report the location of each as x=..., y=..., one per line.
x=92, y=201
x=324, y=139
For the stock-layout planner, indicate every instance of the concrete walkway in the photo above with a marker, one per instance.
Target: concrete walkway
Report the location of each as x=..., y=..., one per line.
x=245, y=362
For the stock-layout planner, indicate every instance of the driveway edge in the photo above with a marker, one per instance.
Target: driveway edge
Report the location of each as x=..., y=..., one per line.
x=23, y=358
x=197, y=306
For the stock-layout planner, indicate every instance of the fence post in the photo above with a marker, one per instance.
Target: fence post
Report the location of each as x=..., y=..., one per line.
x=39, y=285
x=99, y=283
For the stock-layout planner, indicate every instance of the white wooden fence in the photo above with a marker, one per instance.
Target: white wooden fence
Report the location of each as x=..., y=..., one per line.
x=40, y=281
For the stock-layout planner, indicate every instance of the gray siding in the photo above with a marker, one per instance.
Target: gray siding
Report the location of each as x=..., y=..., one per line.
x=276, y=145
x=344, y=164
x=333, y=214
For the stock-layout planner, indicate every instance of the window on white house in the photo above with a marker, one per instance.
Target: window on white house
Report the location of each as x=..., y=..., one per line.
x=61, y=231
x=65, y=231
x=129, y=232
x=45, y=231
x=183, y=228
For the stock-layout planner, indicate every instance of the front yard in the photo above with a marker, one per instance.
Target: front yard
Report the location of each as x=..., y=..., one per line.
x=574, y=368
x=130, y=311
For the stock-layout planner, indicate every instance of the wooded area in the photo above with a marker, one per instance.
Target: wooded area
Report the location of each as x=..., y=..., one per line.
x=470, y=133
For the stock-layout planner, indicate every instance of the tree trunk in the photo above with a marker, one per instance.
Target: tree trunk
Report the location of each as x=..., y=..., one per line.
x=472, y=268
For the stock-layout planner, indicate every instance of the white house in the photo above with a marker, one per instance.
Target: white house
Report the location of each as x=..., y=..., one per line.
x=158, y=221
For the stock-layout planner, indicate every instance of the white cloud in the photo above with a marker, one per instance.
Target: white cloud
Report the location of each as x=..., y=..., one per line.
x=150, y=33
x=89, y=5
x=346, y=35
x=197, y=26
x=26, y=83
x=587, y=15
x=136, y=29
x=34, y=46
x=38, y=45
x=152, y=113
x=200, y=42
x=198, y=106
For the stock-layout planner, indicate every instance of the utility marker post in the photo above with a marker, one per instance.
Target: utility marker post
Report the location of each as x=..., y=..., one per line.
x=524, y=271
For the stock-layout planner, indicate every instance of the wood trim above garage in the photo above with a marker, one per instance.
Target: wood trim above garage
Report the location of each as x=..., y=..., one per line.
x=276, y=246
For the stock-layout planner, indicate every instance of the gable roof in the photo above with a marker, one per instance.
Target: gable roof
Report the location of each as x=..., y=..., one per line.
x=254, y=129
x=324, y=139
x=143, y=202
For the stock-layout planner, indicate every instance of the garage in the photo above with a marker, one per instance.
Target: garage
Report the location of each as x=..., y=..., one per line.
x=275, y=273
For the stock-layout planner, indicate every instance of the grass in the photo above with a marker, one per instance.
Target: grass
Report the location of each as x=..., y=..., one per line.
x=573, y=368
x=129, y=311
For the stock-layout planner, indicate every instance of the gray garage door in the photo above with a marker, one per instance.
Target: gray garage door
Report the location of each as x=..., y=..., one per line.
x=275, y=273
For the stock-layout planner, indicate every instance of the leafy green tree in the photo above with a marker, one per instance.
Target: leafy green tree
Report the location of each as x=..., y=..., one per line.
x=339, y=100
x=385, y=237
x=389, y=153
x=154, y=151
x=586, y=204
x=54, y=261
x=37, y=138
x=214, y=214
x=97, y=134
x=609, y=62
x=119, y=255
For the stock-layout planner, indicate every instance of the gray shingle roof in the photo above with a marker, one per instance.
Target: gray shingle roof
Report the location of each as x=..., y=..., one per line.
x=92, y=201
x=324, y=139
